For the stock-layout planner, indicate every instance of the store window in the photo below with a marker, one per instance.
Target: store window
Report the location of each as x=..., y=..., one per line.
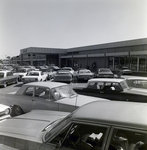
x=134, y=63
x=142, y=64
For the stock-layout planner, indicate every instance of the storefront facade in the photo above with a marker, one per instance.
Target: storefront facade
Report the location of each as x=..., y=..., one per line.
x=132, y=53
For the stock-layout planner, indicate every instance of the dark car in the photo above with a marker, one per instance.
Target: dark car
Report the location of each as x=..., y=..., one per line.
x=7, y=77
x=113, y=89
x=101, y=125
x=104, y=73
x=63, y=76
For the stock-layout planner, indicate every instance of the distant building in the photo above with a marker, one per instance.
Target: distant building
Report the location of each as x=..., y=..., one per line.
x=131, y=53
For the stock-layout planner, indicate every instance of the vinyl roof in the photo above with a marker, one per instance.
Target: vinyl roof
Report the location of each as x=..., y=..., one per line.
x=119, y=113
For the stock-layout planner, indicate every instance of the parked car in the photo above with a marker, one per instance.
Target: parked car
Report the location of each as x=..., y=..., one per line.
x=108, y=125
x=69, y=69
x=113, y=89
x=21, y=72
x=125, y=70
x=104, y=73
x=63, y=76
x=34, y=76
x=45, y=95
x=5, y=111
x=84, y=74
x=137, y=82
x=7, y=77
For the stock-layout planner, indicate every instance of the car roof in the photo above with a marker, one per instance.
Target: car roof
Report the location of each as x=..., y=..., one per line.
x=117, y=113
x=46, y=84
x=31, y=125
x=106, y=80
x=137, y=78
x=5, y=71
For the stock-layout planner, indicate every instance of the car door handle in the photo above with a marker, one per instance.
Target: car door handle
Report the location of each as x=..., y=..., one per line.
x=33, y=100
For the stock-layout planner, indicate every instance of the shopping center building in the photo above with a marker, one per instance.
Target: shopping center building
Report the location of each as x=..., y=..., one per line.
x=131, y=53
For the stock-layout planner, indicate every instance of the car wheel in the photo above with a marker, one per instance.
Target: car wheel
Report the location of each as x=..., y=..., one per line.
x=16, y=110
x=5, y=85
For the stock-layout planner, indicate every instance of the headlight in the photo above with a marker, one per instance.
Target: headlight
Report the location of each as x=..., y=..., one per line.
x=7, y=111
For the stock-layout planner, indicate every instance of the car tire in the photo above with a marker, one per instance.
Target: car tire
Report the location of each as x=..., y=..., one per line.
x=5, y=85
x=16, y=110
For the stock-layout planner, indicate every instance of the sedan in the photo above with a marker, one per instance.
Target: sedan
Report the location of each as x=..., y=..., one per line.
x=84, y=74
x=104, y=73
x=63, y=76
x=47, y=96
x=137, y=82
x=34, y=76
x=7, y=77
x=101, y=125
x=113, y=89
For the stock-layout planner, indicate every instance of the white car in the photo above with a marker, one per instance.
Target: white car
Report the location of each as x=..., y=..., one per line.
x=34, y=76
x=5, y=111
x=22, y=72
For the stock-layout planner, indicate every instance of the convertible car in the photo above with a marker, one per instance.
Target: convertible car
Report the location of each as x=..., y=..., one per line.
x=47, y=96
x=113, y=89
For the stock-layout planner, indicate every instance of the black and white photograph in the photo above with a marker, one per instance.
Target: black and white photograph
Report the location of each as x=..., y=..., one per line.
x=73, y=74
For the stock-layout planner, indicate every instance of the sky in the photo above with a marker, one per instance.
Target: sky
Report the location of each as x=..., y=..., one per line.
x=69, y=23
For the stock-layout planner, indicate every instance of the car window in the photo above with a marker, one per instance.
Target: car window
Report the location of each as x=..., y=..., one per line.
x=124, y=85
x=43, y=93
x=63, y=92
x=29, y=91
x=96, y=85
x=1, y=75
x=81, y=137
x=9, y=74
x=128, y=140
x=33, y=74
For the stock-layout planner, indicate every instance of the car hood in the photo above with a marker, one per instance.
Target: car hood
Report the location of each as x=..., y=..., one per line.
x=30, y=126
x=80, y=100
x=107, y=73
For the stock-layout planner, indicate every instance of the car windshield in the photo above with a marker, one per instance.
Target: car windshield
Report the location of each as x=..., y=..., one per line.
x=63, y=92
x=67, y=69
x=21, y=70
x=104, y=70
x=84, y=71
x=33, y=74
x=124, y=85
x=1, y=75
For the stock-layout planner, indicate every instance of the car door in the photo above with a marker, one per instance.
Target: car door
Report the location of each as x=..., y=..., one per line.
x=78, y=136
x=43, y=99
x=126, y=139
x=12, y=77
x=9, y=77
